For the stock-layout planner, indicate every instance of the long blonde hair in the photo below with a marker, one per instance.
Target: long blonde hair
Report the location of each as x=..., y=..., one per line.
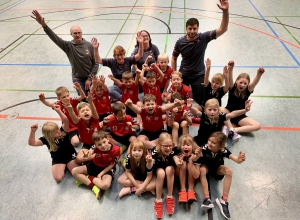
x=48, y=130
x=162, y=137
x=138, y=145
x=236, y=91
x=187, y=138
x=213, y=102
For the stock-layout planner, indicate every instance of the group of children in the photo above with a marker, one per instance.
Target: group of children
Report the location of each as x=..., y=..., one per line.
x=154, y=154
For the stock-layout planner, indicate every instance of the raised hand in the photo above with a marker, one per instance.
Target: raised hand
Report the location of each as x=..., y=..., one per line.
x=76, y=85
x=89, y=97
x=248, y=104
x=145, y=67
x=128, y=102
x=37, y=16
x=95, y=43
x=110, y=76
x=208, y=63
x=67, y=104
x=185, y=113
x=139, y=37
x=180, y=161
x=102, y=79
x=189, y=102
x=34, y=127
x=149, y=159
x=86, y=154
x=42, y=97
x=153, y=66
x=56, y=107
x=177, y=102
x=94, y=80
x=230, y=64
x=225, y=71
x=224, y=5
x=241, y=157
x=129, y=124
x=260, y=70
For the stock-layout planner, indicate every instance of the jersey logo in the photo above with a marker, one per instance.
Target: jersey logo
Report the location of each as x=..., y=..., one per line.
x=87, y=51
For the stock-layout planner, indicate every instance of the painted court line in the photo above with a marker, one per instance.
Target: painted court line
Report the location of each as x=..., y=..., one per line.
x=270, y=128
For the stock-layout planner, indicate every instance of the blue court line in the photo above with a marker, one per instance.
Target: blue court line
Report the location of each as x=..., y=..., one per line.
x=283, y=44
x=54, y=65
x=12, y=7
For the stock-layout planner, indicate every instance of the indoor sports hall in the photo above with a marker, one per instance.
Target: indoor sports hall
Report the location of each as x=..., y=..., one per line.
x=260, y=33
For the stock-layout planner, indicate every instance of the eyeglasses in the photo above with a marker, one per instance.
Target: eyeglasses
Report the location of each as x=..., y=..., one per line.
x=166, y=146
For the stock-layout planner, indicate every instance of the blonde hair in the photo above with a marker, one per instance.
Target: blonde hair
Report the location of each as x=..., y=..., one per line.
x=81, y=105
x=221, y=139
x=138, y=145
x=150, y=75
x=127, y=75
x=48, y=130
x=163, y=56
x=243, y=93
x=219, y=78
x=187, y=138
x=162, y=137
x=60, y=90
x=213, y=102
x=176, y=73
x=148, y=98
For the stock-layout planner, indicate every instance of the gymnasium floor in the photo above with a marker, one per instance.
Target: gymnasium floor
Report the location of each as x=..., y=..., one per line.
x=261, y=33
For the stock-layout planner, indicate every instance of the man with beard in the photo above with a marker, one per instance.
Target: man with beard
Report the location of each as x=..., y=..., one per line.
x=192, y=49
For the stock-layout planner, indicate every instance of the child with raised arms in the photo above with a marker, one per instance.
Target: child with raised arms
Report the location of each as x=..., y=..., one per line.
x=121, y=125
x=99, y=173
x=212, y=162
x=212, y=119
x=178, y=119
x=100, y=95
x=57, y=141
x=87, y=122
x=239, y=92
x=164, y=168
x=151, y=115
x=63, y=95
x=137, y=177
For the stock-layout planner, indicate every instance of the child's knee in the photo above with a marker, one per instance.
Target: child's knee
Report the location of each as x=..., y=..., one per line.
x=228, y=171
x=184, y=124
x=58, y=177
x=75, y=141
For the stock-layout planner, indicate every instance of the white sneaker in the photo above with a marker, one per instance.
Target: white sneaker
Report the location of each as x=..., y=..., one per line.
x=235, y=137
x=225, y=130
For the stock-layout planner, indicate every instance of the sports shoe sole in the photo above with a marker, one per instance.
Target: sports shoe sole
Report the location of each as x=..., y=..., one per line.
x=207, y=207
x=221, y=208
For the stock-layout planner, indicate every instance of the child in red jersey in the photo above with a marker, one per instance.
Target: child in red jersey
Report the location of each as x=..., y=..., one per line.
x=129, y=88
x=151, y=115
x=101, y=169
x=177, y=86
x=63, y=95
x=150, y=84
x=100, y=94
x=178, y=119
x=138, y=176
x=120, y=126
x=87, y=122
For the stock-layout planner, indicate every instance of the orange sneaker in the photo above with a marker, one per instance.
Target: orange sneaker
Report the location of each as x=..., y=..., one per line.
x=170, y=204
x=191, y=195
x=158, y=208
x=182, y=196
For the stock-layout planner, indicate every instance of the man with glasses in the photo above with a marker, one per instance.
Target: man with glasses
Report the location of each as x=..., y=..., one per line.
x=79, y=51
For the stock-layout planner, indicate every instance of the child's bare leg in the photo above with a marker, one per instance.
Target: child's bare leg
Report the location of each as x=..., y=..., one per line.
x=75, y=141
x=224, y=170
x=104, y=182
x=79, y=173
x=148, y=144
x=170, y=180
x=160, y=177
x=124, y=181
x=184, y=126
x=71, y=165
x=182, y=176
x=248, y=125
x=191, y=181
x=138, y=116
x=203, y=180
x=175, y=128
x=152, y=185
x=58, y=172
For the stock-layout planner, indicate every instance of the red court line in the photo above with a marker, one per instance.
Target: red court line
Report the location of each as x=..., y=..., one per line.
x=270, y=128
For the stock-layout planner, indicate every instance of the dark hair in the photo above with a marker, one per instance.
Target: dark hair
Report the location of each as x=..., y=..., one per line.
x=192, y=22
x=176, y=95
x=150, y=75
x=118, y=107
x=150, y=44
x=98, y=135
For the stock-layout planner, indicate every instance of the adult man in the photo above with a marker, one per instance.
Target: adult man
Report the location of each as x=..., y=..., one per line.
x=192, y=49
x=79, y=51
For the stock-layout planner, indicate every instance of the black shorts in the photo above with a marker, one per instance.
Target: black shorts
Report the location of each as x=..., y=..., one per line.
x=237, y=119
x=101, y=117
x=212, y=170
x=65, y=160
x=86, y=146
x=72, y=134
x=122, y=139
x=152, y=135
x=94, y=170
x=169, y=129
x=130, y=112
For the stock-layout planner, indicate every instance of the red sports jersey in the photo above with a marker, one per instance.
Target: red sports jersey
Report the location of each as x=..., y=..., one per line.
x=102, y=103
x=74, y=102
x=155, y=90
x=86, y=132
x=185, y=91
x=167, y=75
x=120, y=128
x=105, y=158
x=179, y=115
x=154, y=121
x=130, y=93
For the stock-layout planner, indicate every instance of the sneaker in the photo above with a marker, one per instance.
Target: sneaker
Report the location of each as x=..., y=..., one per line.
x=125, y=191
x=123, y=163
x=122, y=148
x=158, y=209
x=235, y=137
x=223, y=207
x=78, y=182
x=225, y=130
x=97, y=192
x=170, y=204
x=183, y=196
x=207, y=204
x=191, y=196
